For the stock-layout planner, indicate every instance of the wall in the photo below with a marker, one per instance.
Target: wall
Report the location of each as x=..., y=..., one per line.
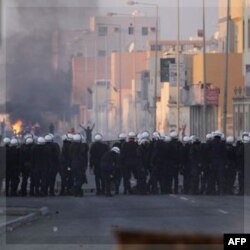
x=215, y=74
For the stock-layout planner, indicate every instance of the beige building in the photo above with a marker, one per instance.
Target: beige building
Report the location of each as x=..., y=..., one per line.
x=215, y=72
x=238, y=10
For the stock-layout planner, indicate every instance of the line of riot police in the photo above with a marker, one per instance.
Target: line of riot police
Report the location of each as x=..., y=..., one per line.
x=154, y=165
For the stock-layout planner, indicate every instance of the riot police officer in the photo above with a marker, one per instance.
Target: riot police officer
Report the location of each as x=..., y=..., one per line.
x=5, y=160
x=65, y=166
x=110, y=163
x=174, y=162
x=230, y=166
x=26, y=164
x=143, y=156
x=54, y=151
x=195, y=162
x=78, y=164
x=129, y=161
x=97, y=150
x=217, y=171
x=14, y=165
x=186, y=165
x=41, y=164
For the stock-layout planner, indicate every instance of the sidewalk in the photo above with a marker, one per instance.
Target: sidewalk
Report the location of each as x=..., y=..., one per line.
x=13, y=217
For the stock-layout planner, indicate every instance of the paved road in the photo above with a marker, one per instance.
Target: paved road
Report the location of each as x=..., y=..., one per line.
x=91, y=220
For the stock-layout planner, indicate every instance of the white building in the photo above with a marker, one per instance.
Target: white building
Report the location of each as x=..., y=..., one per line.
x=104, y=110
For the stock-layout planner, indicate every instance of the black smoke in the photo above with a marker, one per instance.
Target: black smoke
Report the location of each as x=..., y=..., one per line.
x=34, y=89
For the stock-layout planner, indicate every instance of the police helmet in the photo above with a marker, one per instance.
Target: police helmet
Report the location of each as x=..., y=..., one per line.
x=174, y=135
x=98, y=137
x=156, y=135
x=167, y=138
x=143, y=141
x=218, y=133
x=64, y=137
x=186, y=139
x=70, y=137
x=116, y=150
x=209, y=136
x=28, y=136
x=48, y=138
x=14, y=142
x=40, y=141
x=144, y=135
x=131, y=135
x=230, y=140
x=246, y=139
x=194, y=139
x=245, y=133
x=77, y=138
x=29, y=140
x=122, y=136
x=6, y=141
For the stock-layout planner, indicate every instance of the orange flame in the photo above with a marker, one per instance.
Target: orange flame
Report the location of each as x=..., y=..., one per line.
x=17, y=127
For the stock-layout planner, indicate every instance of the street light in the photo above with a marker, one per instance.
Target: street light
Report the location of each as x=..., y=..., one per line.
x=129, y=15
x=226, y=68
x=156, y=54
x=178, y=67
x=204, y=72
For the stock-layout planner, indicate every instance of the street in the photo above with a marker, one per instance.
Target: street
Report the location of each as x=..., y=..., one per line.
x=91, y=219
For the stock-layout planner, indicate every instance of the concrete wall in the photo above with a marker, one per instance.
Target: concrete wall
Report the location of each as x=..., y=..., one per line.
x=216, y=74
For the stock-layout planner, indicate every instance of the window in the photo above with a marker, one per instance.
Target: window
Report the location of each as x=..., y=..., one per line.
x=144, y=31
x=102, y=30
x=116, y=29
x=156, y=48
x=101, y=53
x=130, y=30
x=153, y=29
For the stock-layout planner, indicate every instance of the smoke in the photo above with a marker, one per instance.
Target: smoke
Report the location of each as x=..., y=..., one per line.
x=35, y=91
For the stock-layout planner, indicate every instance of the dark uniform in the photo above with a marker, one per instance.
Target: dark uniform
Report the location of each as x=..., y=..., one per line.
x=186, y=167
x=78, y=158
x=110, y=163
x=230, y=168
x=240, y=165
x=2, y=165
x=26, y=167
x=118, y=176
x=54, y=155
x=65, y=169
x=41, y=163
x=129, y=163
x=174, y=164
x=217, y=171
x=195, y=162
x=159, y=171
x=143, y=166
x=97, y=150
x=13, y=169
x=205, y=166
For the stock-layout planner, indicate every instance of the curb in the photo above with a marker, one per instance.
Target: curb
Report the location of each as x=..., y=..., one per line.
x=22, y=220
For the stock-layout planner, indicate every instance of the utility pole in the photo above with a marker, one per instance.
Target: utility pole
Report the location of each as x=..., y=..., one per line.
x=204, y=73
x=178, y=68
x=226, y=71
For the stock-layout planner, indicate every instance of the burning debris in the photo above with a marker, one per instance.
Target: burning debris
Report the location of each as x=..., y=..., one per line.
x=17, y=128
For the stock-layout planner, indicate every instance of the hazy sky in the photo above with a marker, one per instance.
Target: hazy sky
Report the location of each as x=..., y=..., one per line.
x=191, y=12
x=191, y=15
